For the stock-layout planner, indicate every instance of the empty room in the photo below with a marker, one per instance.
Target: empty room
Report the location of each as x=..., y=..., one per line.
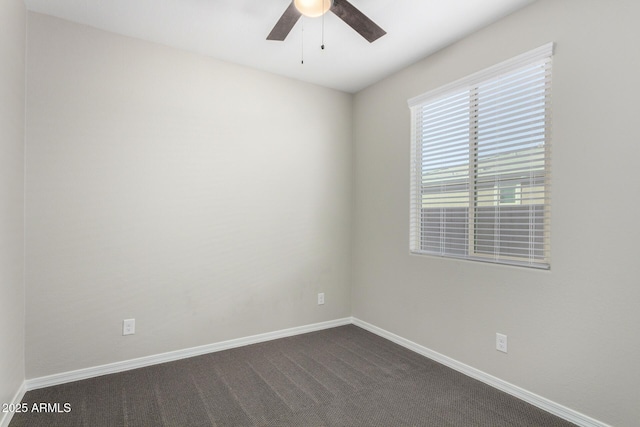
x=319, y=213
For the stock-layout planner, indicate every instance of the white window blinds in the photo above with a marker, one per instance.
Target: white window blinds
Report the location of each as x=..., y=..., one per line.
x=480, y=164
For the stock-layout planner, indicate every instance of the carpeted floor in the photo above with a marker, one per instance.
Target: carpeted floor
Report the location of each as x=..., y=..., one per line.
x=343, y=376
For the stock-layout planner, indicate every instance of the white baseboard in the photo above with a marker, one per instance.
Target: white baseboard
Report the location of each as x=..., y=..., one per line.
x=5, y=418
x=126, y=365
x=532, y=398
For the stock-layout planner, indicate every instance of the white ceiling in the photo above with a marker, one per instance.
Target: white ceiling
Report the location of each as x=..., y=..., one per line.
x=236, y=31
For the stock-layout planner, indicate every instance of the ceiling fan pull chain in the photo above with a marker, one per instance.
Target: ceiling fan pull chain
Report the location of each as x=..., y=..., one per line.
x=302, y=44
x=322, y=45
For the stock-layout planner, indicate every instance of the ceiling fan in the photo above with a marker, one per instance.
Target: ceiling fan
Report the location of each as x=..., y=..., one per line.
x=314, y=8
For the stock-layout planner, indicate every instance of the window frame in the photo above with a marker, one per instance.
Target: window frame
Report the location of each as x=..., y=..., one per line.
x=540, y=56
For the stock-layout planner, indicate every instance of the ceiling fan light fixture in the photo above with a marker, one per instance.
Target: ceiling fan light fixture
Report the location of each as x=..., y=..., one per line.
x=313, y=8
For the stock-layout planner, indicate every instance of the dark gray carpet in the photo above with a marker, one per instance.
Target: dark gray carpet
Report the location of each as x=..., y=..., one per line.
x=343, y=376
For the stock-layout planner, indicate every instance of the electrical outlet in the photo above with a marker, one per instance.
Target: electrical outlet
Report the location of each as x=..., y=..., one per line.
x=501, y=342
x=128, y=326
x=321, y=298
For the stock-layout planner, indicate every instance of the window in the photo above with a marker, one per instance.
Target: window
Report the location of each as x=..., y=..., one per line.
x=480, y=165
x=507, y=193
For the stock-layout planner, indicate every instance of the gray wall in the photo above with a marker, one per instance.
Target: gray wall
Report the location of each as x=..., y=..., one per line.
x=206, y=200
x=573, y=331
x=12, y=84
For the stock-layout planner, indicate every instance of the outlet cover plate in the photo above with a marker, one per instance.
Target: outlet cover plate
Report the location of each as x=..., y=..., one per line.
x=501, y=342
x=128, y=326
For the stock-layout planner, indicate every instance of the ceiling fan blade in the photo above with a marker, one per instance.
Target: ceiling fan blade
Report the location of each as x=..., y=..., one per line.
x=285, y=24
x=357, y=20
